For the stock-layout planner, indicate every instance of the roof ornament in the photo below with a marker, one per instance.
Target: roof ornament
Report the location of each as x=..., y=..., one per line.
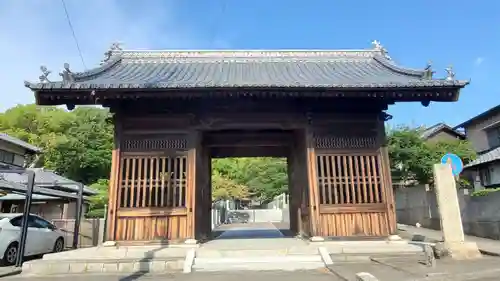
x=114, y=48
x=450, y=74
x=428, y=72
x=45, y=74
x=67, y=75
x=378, y=47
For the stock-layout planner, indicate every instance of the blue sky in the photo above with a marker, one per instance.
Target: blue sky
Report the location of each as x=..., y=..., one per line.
x=35, y=32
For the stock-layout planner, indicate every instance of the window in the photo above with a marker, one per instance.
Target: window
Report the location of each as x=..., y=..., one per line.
x=485, y=176
x=17, y=221
x=6, y=157
x=493, y=137
x=41, y=223
x=32, y=222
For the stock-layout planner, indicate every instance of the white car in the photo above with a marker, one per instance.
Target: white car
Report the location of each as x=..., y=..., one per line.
x=43, y=237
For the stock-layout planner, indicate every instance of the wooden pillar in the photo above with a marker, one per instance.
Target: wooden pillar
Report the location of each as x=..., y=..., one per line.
x=114, y=181
x=294, y=191
x=312, y=182
x=389, y=191
x=387, y=187
x=201, y=190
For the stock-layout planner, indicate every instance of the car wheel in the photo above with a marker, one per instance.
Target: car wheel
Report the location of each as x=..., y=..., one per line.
x=58, y=246
x=10, y=255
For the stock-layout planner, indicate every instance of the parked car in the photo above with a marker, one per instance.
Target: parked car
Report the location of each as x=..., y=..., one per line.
x=237, y=217
x=42, y=238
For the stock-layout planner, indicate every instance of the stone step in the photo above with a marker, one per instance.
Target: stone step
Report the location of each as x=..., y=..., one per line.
x=361, y=257
x=112, y=266
x=285, y=263
x=206, y=253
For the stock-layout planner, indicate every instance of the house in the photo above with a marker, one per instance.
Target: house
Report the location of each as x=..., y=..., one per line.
x=440, y=132
x=15, y=153
x=483, y=131
x=49, y=207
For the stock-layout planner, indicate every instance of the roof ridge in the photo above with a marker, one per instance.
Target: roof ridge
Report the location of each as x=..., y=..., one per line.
x=278, y=53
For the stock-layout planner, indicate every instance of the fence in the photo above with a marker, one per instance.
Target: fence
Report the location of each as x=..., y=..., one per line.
x=90, y=235
x=480, y=214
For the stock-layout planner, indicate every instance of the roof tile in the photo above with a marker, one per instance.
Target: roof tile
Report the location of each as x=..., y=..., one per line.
x=205, y=69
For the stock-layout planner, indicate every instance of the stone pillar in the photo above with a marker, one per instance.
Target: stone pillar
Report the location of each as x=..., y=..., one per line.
x=451, y=220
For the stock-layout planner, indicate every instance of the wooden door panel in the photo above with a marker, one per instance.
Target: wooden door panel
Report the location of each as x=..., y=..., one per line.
x=152, y=197
x=352, y=194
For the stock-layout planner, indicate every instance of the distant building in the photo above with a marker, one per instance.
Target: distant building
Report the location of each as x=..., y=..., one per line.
x=440, y=132
x=483, y=131
x=14, y=152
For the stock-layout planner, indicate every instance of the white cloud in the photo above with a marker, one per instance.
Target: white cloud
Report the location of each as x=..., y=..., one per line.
x=478, y=61
x=36, y=32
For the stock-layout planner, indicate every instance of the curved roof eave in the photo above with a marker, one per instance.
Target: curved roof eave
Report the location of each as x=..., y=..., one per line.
x=79, y=79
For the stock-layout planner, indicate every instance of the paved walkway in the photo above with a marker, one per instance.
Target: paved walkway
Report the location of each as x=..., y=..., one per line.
x=487, y=246
x=249, y=231
x=200, y=276
x=8, y=270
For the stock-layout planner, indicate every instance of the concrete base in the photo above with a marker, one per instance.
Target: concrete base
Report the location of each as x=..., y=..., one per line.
x=461, y=250
x=317, y=239
x=109, y=244
x=157, y=259
x=191, y=242
x=365, y=276
x=394, y=238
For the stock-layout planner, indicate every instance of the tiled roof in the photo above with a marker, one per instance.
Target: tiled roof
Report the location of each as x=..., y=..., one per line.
x=18, y=142
x=487, y=157
x=483, y=115
x=48, y=180
x=20, y=188
x=19, y=197
x=431, y=131
x=251, y=69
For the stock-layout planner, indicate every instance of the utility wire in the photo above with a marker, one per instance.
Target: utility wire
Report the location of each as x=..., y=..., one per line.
x=73, y=33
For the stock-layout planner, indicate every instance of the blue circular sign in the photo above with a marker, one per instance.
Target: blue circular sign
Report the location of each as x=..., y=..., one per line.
x=456, y=163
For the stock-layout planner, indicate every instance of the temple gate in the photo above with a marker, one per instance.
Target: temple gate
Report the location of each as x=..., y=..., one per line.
x=175, y=111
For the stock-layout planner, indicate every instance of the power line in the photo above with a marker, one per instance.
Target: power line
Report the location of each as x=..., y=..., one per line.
x=73, y=33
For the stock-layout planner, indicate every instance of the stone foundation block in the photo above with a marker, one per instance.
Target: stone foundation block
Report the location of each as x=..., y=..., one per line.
x=126, y=267
x=77, y=267
x=110, y=267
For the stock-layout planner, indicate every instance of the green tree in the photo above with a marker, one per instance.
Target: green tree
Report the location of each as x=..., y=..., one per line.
x=225, y=188
x=412, y=158
x=265, y=177
x=97, y=202
x=75, y=144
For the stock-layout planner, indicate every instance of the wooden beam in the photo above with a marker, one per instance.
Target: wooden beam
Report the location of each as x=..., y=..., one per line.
x=353, y=208
x=151, y=212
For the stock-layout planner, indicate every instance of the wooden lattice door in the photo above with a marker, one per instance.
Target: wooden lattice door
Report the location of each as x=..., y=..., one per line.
x=353, y=194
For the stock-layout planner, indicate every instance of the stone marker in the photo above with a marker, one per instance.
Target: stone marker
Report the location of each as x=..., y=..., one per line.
x=451, y=220
x=365, y=276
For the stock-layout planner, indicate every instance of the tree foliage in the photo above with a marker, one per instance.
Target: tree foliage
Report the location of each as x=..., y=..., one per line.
x=75, y=144
x=264, y=177
x=412, y=158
